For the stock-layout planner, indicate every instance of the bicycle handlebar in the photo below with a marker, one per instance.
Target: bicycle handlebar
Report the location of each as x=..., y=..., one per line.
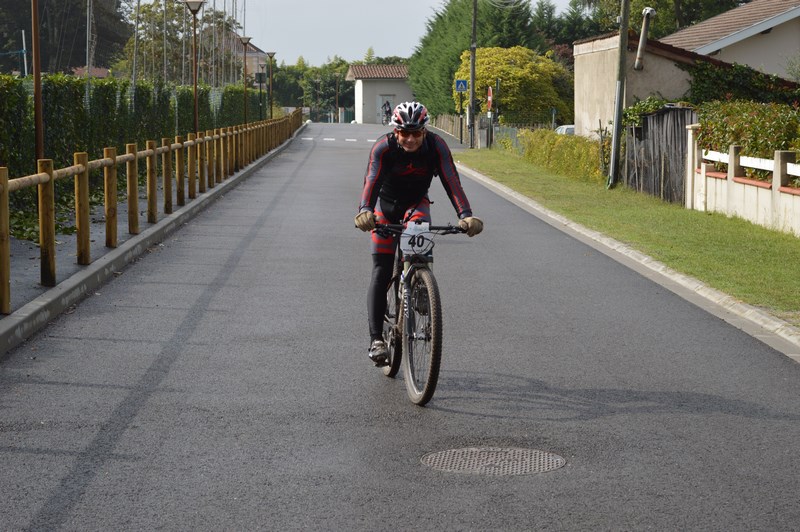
x=448, y=229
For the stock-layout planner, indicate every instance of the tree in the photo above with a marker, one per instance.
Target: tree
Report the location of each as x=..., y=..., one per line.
x=219, y=49
x=672, y=15
x=62, y=33
x=531, y=84
x=449, y=33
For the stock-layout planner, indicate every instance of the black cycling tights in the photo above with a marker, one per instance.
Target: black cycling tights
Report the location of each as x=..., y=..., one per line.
x=382, y=266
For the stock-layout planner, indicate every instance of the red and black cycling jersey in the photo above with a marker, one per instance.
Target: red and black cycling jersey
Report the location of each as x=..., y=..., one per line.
x=404, y=178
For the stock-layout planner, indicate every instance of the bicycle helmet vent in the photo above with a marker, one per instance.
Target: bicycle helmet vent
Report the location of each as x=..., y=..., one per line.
x=410, y=116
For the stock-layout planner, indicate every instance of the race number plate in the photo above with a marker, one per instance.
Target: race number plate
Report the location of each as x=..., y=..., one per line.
x=415, y=239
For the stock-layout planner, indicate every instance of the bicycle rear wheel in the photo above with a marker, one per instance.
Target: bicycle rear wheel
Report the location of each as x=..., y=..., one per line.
x=422, y=338
x=392, y=322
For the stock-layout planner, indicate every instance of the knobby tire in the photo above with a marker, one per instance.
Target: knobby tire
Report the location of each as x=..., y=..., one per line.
x=422, y=338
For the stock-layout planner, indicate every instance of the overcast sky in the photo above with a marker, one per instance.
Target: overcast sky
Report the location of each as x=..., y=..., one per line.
x=320, y=29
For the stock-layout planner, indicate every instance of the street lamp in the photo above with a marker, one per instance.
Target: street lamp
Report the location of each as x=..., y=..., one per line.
x=262, y=66
x=194, y=7
x=245, y=42
x=270, y=55
x=337, y=96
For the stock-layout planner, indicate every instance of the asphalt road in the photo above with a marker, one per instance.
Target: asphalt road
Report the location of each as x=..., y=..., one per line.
x=221, y=382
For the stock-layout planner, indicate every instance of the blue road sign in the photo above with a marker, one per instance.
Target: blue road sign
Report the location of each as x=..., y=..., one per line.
x=461, y=85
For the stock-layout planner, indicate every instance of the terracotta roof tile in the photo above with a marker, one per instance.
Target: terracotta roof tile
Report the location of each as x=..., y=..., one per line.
x=728, y=23
x=378, y=71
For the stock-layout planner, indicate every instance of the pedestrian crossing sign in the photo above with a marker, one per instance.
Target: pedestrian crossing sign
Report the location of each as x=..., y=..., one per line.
x=461, y=85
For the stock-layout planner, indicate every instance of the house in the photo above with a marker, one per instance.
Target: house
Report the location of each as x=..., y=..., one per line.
x=376, y=84
x=756, y=25
x=762, y=34
x=596, y=64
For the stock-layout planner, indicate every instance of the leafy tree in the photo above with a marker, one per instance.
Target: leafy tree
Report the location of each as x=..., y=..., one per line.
x=672, y=15
x=545, y=21
x=531, y=84
x=217, y=61
x=62, y=33
x=449, y=34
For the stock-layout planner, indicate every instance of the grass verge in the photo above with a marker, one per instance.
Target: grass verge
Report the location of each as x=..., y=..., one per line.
x=753, y=264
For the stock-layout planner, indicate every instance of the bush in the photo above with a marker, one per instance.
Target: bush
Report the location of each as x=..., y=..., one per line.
x=569, y=155
x=759, y=128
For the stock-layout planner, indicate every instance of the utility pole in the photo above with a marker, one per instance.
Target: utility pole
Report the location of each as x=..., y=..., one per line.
x=619, y=104
x=37, y=81
x=472, y=49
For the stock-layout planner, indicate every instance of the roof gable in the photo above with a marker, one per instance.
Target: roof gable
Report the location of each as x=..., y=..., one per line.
x=379, y=71
x=734, y=25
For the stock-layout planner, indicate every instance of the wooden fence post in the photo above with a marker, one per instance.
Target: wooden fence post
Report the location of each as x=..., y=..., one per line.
x=202, y=169
x=239, y=148
x=192, y=167
x=110, y=175
x=47, y=224
x=179, y=185
x=132, y=176
x=228, y=147
x=82, y=207
x=218, y=143
x=5, y=245
x=211, y=155
x=152, y=186
x=166, y=174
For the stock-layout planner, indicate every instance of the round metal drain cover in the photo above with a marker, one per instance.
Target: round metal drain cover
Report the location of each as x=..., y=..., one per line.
x=493, y=461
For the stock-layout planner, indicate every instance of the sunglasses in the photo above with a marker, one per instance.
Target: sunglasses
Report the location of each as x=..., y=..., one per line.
x=416, y=134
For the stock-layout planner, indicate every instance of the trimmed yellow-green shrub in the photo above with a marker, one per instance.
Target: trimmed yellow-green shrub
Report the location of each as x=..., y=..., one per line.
x=569, y=155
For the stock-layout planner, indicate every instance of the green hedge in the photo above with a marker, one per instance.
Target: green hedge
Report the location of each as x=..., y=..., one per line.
x=115, y=116
x=759, y=128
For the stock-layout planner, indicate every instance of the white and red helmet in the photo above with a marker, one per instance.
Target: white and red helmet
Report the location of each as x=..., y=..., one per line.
x=410, y=116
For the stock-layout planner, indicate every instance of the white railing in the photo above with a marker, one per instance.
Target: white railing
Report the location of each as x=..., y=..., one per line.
x=773, y=204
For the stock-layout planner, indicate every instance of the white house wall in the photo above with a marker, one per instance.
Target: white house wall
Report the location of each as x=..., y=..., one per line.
x=596, y=80
x=767, y=52
x=366, y=97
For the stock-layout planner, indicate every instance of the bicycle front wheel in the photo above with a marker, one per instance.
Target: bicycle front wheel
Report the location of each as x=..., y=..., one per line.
x=422, y=338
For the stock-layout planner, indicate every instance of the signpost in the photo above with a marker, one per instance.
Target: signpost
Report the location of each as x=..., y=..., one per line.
x=461, y=88
x=490, y=129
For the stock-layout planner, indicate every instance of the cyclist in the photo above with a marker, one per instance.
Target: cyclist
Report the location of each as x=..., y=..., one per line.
x=387, y=111
x=400, y=170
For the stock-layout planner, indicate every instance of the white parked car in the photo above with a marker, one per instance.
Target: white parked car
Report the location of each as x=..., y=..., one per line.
x=568, y=129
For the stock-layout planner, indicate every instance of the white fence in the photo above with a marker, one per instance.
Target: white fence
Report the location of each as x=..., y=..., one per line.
x=770, y=204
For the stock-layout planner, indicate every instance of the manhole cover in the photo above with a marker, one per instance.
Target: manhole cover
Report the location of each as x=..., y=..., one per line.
x=493, y=461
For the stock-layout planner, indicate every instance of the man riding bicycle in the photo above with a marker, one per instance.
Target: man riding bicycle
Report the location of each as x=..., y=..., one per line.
x=400, y=170
x=387, y=111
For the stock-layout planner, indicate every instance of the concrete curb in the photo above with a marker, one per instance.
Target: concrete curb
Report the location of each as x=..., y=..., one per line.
x=32, y=317
x=754, y=315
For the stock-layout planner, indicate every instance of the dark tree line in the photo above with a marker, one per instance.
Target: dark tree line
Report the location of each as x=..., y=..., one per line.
x=62, y=33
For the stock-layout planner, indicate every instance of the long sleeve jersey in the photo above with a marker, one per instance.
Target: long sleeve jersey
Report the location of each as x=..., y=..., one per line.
x=404, y=178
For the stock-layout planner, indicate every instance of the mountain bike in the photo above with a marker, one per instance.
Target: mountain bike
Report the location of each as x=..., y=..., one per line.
x=412, y=327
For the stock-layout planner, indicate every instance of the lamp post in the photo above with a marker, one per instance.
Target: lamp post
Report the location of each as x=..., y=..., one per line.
x=262, y=66
x=270, y=55
x=194, y=7
x=245, y=42
x=317, y=81
x=38, y=114
x=336, y=75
